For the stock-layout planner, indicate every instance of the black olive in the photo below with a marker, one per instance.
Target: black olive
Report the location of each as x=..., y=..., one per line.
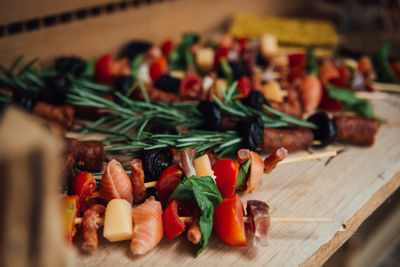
x=168, y=84
x=237, y=70
x=163, y=129
x=261, y=60
x=212, y=115
x=56, y=90
x=25, y=98
x=251, y=129
x=154, y=163
x=326, y=131
x=73, y=65
x=123, y=84
x=134, y=48
x=254, y=99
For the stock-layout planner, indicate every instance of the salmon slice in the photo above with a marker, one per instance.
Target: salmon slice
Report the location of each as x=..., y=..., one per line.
x=256, y=172
x=147, y=226
x=115, y=183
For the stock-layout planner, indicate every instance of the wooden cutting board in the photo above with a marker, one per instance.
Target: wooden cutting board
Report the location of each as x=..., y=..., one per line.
x=348, y=187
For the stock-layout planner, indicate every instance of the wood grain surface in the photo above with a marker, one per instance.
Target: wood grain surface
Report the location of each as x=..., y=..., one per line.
x=349, y=188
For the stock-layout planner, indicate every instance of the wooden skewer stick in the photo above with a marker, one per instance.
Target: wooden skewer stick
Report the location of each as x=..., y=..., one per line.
x=386, y=87
x=372, y=95
x=309, y=157
x=247, y=220
x=285, y=161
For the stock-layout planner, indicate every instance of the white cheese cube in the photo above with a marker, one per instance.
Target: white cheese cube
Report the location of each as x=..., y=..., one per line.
x=118, y=220
x=202, y=165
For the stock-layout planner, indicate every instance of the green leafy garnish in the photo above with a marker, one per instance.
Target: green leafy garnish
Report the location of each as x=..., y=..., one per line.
x=205, y=192
x=227, y=70
x=382, y=65
x=181, y=57
x=89, y=71
x=311, y=62
x=350, y=101
x=243, y=174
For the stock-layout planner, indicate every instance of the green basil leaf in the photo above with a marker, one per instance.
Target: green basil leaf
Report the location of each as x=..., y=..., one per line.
x=311, y=62
x=190, y=39
x=243, y=174
x=177, y=58
x=207, y=196
x=89, y=71
x=350, y=101
x=381, y=63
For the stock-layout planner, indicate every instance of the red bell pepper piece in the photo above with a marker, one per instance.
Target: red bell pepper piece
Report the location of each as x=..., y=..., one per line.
x=343, y=79
x=296, y=59
x=168, y=181
x=173, y=226
x=228, y=221
x=244, y=86
x=191, y=86
x=103, y=69
x=71, y=210
x=85, y=187
x=226, y=171
x=166, y=48
x=242, y=43
x=222, y=52
x=328, y=103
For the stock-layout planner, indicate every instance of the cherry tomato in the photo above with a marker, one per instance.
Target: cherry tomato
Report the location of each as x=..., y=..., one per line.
x=242, y=43
x=85, y=187
x=173, y=226
x=296, y=59
x=228, y=221
x=244, y=86
x=168, y=181
x=226, y=171
x=191, y=86
x=71, y=210
x=103, y=72
x=158, y=68
x=328, y=103
x=222, y=52
x=166, y=48
x=343, y=79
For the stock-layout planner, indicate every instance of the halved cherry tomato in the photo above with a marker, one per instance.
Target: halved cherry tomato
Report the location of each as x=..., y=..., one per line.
x=103, y=68
x=191, y=86
x=222, y=52
x=173, y=226
x=71, y=210
x=242, y=43
x=158, y=68
x=328, y=103
x=228, y=221
x=244, y=86
x=85, y=187
x=168, y=181
x=166, y=48
x=226, y=171
x=296, y=59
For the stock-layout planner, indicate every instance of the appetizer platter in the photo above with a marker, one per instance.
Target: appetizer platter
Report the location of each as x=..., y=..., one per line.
x=226, y=151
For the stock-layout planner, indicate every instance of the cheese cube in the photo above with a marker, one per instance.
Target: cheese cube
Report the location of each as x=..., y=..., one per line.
x=269, y=45
x=205, y=59
x=220, y=86
x=202, y=165
x=118, y=220
x=272, y=91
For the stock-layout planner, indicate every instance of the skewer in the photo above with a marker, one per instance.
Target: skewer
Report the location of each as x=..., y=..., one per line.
x=100, y=221
x=386, y=87
x=285, y=161
x=372, y=95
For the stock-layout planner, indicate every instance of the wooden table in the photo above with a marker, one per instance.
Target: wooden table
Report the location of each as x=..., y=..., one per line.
x=349, y=188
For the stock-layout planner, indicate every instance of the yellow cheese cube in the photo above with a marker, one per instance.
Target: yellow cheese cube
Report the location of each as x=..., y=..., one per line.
x=118, y=220
x=202, y=165
x=269, y=45
x=205, y=59
x=272, y=91
x=220, y=86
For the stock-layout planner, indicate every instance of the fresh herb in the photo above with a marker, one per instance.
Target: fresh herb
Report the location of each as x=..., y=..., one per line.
x=181, y=57
x=207, y=196
x=243, y=174
x=311, y=62
x=228, y=73
x=350, y=101
x=89, y=71
x=382, y=65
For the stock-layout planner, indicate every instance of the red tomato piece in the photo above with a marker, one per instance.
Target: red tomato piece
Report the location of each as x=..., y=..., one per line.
x=242, y=43
x=343, y=79
x=103, y=69
x=297, y=72
x=226, y=171
x=168, y=181
x=228, y=222
x=158, y=68
x=328, y=103
x=296, y=59
x=85, y=187
x=244, y=86
x=173, y=226
x=166, y=48
x=222, y=52
x=191, y=86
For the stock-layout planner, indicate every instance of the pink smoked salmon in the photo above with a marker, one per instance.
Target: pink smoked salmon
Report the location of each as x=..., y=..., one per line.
x=115, y=183
x=147, y=226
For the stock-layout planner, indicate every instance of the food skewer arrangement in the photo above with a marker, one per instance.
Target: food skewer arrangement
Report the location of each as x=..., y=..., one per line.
x=235, y=96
